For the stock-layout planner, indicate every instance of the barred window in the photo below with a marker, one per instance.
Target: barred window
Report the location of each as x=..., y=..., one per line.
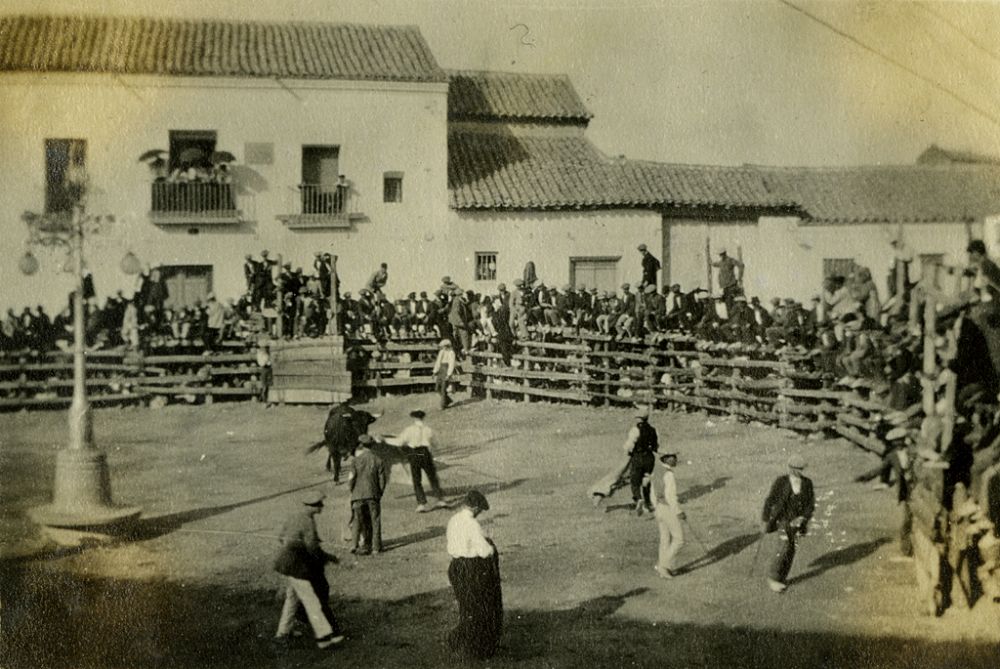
x=486, y=266
x=837, y=267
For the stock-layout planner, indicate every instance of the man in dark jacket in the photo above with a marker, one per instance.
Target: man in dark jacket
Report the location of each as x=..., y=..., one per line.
x=641, y=445
x=301, y=560
x=650, y=267
x=788, y=507
x=368, y=479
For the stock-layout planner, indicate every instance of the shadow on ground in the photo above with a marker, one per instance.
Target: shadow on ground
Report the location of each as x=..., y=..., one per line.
x=56, y=620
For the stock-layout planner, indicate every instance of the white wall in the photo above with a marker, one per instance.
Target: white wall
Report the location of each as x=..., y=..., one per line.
x=379, y=126
x=784, y=257
x=549, y=239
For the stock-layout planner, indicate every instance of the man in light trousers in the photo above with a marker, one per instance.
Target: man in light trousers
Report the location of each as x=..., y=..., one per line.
x=668, y=518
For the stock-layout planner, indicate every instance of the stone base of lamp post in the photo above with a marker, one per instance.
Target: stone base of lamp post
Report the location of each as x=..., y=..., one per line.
x=81, y=509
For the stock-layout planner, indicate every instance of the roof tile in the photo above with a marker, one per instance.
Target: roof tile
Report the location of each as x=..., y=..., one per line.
x=509, y=96
x=130, y=45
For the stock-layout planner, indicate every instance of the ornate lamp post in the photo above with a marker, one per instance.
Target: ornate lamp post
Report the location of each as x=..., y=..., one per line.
x=81, y=507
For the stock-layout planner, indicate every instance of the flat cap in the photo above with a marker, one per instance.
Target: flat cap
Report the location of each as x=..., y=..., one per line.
x=417, y=413
x=642, y=247
x=797, y=462
x=476, y=500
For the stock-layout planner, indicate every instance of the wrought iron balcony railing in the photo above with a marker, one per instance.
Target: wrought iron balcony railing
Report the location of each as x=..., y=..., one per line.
x=193, y=202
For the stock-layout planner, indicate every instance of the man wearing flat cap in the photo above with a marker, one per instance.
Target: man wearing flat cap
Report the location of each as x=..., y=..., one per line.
x=788, y=507
x=650, y=267
x=301, y=560
x=418, y=437
x=444, y=369
x=641, y=445
x=474, y=574
x=368, y=478
x=669, y=515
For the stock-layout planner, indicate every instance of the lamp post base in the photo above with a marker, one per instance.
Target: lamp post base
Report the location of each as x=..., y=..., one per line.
x=81, y=509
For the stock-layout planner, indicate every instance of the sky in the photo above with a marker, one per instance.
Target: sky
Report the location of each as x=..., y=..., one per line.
x=707, y=81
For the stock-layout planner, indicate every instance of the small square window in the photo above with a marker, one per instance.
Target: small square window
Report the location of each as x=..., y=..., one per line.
x=486, y=266
x=392, y=187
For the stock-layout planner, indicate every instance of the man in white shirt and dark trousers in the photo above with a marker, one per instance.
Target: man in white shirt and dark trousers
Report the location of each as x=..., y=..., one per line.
x=444, y=368
x=668, y=518
x=474, y=574
x=418, y=437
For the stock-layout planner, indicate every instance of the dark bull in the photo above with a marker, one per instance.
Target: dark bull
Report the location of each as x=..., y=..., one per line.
x=344, y=424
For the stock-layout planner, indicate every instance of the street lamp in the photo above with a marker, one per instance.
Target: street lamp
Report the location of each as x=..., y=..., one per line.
x=81, y=507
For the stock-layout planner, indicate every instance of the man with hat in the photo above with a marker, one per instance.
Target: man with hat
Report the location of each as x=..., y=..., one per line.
x=789, y=506
x=650, y=267
x=418, y=437
x=641, y=445
x=301, y=560
x=668, y=518
x=474, y=574
x=444, y=368
x=367, y=478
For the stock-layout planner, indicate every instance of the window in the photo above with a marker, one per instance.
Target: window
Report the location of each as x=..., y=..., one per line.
x=324, y=189
x=187, y=285
x=65, y=164
x=191, y=148
x=486, y=266
x=600, y=273
x=837, y=267
x=392, y=187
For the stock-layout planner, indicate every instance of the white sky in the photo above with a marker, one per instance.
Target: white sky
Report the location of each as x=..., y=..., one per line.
x=706, y=81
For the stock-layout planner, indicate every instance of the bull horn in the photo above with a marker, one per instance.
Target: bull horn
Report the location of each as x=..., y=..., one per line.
x=378, y=415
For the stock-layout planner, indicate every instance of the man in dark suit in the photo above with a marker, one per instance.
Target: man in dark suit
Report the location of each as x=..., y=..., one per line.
x=650, y=267
x=368, y=479
x=788, y=507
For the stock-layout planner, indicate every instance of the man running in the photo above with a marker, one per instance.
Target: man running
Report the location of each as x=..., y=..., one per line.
x=788, y=507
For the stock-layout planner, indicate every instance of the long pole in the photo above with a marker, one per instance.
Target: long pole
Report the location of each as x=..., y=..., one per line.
x=81, y=434
x=334, y=301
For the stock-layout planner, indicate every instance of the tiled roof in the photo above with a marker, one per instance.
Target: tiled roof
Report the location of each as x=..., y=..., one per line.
x=508, y=96
x=129, y=45
x=890, y=194
x=504, y=170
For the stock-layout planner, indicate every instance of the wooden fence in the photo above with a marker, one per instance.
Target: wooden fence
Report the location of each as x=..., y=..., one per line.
x=124, y=377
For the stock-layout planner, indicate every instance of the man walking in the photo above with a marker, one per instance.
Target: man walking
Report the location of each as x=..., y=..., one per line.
x=444, y=368
x=301, y=560
x=641, y=445
x=788, y=507
x=668, y=518
x=368, y=478
x=418, y=438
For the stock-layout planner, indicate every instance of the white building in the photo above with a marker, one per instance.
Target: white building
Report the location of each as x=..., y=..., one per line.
x=297, y=105
x=469, y=174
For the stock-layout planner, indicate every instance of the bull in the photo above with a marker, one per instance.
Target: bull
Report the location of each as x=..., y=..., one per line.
x=344, y=424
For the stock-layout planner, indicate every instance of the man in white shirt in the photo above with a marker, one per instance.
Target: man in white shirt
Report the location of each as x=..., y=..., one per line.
x=418, y=438
x=444, y=368
x=474, y=574
x=668, y=518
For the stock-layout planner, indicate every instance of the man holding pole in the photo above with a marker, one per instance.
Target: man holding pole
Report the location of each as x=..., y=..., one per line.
x=668, y=518
x=788, y=507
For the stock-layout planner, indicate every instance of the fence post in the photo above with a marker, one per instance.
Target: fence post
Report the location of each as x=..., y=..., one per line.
x=930, y=362
x=279, y=301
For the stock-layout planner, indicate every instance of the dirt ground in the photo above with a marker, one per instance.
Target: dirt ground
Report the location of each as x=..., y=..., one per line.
x=194, y=587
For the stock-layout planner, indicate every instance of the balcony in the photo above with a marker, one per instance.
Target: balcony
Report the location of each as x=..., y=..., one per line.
x=193, y=203
x=321, y=207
